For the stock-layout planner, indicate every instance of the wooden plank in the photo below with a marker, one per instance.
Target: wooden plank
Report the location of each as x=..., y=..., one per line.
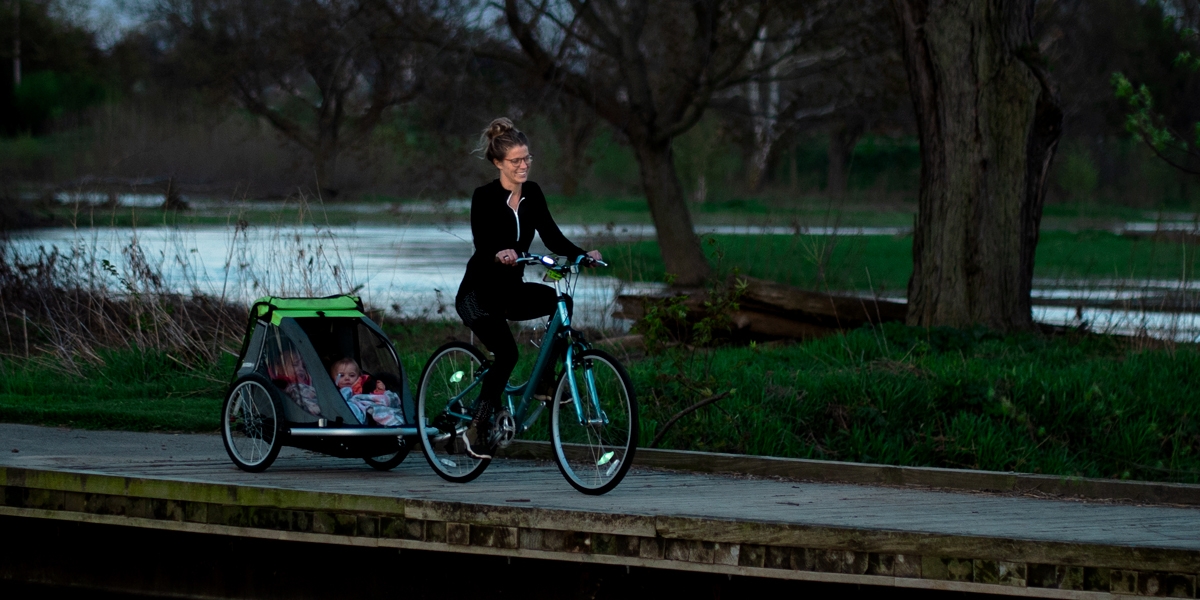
x=762, y=511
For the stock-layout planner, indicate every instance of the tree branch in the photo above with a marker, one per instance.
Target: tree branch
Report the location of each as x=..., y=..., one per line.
x=289, y=129
x=683, y=413
x=549, y=69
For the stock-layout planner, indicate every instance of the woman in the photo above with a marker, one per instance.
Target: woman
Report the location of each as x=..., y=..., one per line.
x=504, y=216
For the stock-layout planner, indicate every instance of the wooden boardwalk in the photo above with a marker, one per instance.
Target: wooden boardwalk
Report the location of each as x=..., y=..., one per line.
x=906, y=537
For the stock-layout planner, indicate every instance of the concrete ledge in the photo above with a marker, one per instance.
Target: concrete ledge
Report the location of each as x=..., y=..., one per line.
x=877, y=569
x=849, y=472
x=890, y=580
x=970, y=563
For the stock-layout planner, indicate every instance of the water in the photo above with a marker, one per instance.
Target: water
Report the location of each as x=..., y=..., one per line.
x=1179, y=327
x=414, y=271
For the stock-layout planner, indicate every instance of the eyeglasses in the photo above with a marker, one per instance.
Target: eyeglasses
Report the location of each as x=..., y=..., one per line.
x=516, y=162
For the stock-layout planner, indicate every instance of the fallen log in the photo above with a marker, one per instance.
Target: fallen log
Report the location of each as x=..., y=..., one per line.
x=768, y=310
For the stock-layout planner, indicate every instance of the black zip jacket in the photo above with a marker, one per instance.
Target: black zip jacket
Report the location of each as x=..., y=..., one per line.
x=495, y=227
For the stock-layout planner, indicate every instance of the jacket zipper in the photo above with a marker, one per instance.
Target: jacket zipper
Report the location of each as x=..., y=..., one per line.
x=517, y=217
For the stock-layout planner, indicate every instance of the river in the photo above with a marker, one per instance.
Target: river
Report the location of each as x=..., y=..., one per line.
x=414, y=270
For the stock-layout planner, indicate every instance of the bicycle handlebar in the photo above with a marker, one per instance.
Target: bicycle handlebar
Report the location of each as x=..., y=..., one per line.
x=551, y=262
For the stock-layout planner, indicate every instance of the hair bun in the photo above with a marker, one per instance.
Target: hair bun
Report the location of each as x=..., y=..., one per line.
x=499, y=137
x=499, y=127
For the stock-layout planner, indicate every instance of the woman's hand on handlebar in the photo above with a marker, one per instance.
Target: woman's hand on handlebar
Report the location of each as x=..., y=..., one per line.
x=591, y=259
x=507, y=257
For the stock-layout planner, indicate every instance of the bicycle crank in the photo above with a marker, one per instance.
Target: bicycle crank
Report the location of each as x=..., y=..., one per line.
x=504, y=430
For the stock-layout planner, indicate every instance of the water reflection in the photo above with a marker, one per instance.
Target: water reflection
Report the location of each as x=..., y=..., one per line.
x=415, y=270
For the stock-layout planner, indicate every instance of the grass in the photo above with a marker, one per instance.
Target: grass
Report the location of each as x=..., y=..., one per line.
x=131, y=390
x=884, y=263
x=806, y=209
x=1087, y=406
x=582, y=209
x=147, y=390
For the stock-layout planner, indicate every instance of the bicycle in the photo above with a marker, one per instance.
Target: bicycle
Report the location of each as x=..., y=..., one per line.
x=593, y=410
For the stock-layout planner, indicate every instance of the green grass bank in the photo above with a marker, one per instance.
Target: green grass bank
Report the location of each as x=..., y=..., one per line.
x=1090, y=406
x=884, y=263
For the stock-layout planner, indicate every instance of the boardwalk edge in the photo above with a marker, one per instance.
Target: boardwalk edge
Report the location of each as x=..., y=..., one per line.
x=871, y=474
x=868, y=557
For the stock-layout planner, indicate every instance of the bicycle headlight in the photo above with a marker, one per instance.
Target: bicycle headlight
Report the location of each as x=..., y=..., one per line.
x=548, y=261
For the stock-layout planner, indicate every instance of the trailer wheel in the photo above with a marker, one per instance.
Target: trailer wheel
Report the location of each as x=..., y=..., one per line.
x=251, y=423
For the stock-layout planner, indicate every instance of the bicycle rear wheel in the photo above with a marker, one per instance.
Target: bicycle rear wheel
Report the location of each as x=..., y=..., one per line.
x=594, y=452
x=445, y=403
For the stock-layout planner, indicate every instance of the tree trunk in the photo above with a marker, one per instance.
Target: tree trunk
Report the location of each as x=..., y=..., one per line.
x=681, y=252
x=765, y=103
x=759, y=167
x=574, y=139
x=571, y=174
x=325, y=167
x=842, y=140
x=989, y=124
x=16, y=14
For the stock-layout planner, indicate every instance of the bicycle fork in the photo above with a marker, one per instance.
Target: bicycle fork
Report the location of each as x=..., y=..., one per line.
x=590, y=379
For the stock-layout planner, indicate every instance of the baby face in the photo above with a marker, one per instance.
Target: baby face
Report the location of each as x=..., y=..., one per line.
x=345, y=377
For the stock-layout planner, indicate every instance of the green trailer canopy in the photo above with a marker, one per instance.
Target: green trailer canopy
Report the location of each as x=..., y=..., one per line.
x=333, y=306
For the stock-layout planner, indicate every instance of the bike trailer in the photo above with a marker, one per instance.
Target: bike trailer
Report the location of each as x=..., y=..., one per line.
x=283, y=393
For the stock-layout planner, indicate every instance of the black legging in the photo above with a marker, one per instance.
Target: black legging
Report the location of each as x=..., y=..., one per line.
x=489, y=320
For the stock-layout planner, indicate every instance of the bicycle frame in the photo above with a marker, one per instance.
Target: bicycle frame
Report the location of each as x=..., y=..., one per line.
x=558, y=334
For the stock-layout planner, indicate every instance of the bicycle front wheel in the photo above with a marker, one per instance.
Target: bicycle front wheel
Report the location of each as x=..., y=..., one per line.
x=445, y=403
x=595, y=434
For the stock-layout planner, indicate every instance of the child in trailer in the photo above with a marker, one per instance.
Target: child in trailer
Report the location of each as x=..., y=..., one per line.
x=290, y=375
x=347, y=377
x=368, y=397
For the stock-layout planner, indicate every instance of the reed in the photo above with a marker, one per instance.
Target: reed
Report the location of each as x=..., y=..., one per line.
x=66, y=306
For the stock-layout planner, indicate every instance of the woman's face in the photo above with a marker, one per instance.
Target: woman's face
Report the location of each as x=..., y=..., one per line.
x=514, y=167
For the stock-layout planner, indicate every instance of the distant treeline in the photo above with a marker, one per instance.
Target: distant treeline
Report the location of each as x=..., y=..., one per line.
x=202, y=93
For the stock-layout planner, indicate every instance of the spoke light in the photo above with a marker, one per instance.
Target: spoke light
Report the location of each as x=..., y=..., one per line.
x=612, y=469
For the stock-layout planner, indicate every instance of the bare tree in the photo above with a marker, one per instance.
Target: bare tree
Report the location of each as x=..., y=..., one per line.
x=989, y=124
x=322, y=73
x=576, y=127
x=840, y=72
x=16, y=33
x=648, y=68
x=779, y=97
